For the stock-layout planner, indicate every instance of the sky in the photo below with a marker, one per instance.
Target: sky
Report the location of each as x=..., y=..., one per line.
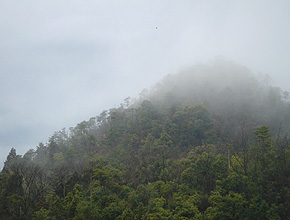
x=63, y=62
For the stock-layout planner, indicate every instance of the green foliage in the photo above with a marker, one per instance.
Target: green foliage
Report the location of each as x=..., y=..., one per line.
x=230, y=206
x=204, y=172
x=42, y=214
x=263, y=136
x=186, y=207
x=191, y=125
x=156, y=159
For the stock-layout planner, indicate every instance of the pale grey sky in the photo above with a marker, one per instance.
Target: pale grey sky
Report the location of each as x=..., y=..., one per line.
x=62, y=62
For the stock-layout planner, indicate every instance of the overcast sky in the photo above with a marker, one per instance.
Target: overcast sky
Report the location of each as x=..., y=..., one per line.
x=62, y=62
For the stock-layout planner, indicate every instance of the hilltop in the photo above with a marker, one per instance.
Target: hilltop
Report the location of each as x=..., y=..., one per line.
x=210, y=142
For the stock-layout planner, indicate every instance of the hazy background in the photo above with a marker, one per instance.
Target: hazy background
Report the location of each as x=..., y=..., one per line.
x=62, y=62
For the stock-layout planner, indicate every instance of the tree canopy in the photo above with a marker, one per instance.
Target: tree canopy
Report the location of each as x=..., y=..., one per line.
x=210, y=142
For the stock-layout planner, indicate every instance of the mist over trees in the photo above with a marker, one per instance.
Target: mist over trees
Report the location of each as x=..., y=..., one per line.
x=210, y=142
x=228, y=90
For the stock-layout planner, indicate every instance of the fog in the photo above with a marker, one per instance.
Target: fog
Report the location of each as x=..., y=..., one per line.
x=229, y=90
x=62, y=62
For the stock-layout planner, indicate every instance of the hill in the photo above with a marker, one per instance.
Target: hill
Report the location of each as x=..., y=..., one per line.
x=210, y=142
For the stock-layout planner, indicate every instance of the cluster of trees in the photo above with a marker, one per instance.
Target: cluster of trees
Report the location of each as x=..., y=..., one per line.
x=167, y=156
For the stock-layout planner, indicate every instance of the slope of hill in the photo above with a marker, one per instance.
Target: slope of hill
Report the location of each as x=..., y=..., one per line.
x=225, y=88
x=196, y=146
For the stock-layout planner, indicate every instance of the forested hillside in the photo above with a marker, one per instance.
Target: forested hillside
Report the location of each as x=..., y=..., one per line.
x=210, y=142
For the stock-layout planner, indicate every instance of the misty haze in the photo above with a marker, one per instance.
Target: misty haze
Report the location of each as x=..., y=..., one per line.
x=144, y=110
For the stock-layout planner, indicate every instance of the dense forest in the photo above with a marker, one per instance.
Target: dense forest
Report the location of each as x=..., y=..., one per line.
x=210, y=142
